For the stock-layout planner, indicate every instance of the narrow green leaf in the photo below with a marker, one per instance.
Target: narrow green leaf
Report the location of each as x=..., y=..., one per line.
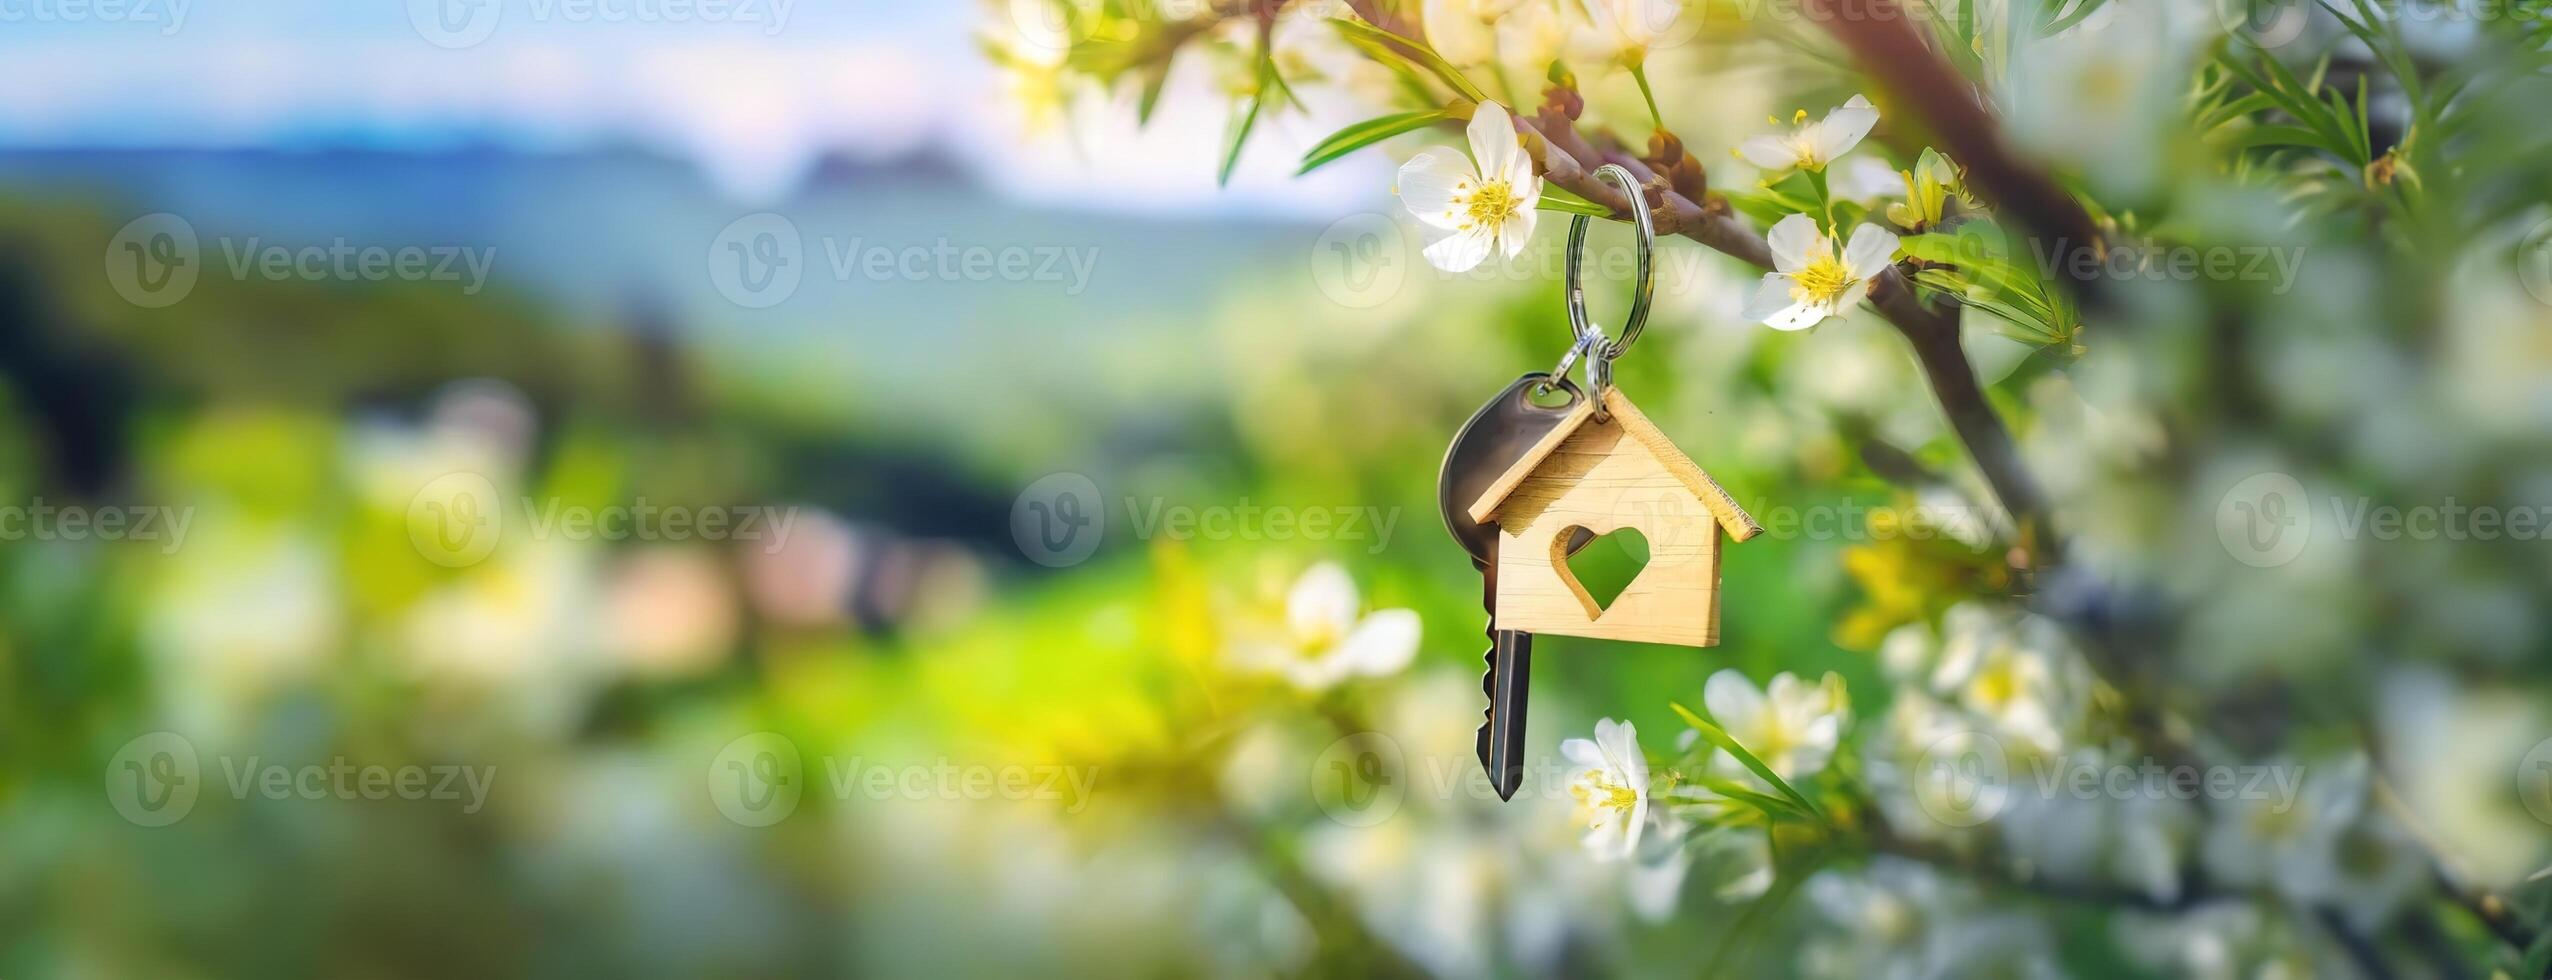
x=1554, y=199
x=1248, y=117
x=1374, y=38
x=1368, y=133
x=1151, y=98
x=1716, y=736
x=1769, y=804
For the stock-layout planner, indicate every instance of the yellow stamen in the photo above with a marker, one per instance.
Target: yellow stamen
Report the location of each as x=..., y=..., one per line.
x=1823, y=281
x=1596, y=793
x=1799, y=118
x=1491, y=205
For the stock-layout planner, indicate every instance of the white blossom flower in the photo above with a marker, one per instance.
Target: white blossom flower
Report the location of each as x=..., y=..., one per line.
x=1812, y=279
x=1620, y=32
x=2289, y=844
x=2018, y=676
x=1522, y=34
x=1812, y=145
x=1476, y=206
x=1322, y=641
x=1610, y=785
x=1791, y=725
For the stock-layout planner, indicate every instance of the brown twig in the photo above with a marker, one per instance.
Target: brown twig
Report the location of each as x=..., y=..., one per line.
x=1932, y=331
x=1882, y=37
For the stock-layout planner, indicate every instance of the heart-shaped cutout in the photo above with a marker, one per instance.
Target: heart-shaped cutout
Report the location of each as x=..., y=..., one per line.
x=1607, y=565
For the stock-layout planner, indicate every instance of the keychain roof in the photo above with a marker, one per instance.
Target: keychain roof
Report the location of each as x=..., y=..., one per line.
x=1732, y=518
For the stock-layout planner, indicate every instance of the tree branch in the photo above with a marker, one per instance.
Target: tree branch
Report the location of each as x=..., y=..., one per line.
x=1882, y=37
x=1932, y=331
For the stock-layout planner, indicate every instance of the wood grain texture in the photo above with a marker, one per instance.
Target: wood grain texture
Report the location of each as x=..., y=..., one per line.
x=1602, y=478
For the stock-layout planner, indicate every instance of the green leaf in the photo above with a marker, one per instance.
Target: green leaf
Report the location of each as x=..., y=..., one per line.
x=1368, y=133
x=1376, y=40
x=1267, y=83
x=1152, y=85
x=1740, y=792
x=1714, y=735
x=1555, y=199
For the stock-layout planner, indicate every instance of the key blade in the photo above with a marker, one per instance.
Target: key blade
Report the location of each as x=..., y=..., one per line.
x=1510, y=669
x=1510, y=660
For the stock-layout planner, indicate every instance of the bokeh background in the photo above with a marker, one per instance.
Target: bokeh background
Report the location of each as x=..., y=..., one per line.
x=877, y=303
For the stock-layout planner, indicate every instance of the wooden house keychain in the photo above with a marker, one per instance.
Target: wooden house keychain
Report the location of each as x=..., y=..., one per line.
x=1525, y=485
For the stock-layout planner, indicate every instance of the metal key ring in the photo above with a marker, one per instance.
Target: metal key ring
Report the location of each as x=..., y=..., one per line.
x=1599, y=351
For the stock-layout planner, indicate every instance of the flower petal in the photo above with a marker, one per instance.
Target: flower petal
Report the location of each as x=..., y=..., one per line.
x=1460, y=251
x=1842, y=129
x=1517, y=231
x=1732, y=699
x=1768, y=152
x=1582, y=753
x=1382, y=644
x=1494, y=144
x=1872, y=249
x=1794, y=242
x=1772, y=297
x=1322, y=601
x=1852, y=296
x=1434, y=185
x=1455, y=30
x=1799, y=316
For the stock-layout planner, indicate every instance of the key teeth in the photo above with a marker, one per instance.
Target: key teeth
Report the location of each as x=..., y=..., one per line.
x=1505, y=775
